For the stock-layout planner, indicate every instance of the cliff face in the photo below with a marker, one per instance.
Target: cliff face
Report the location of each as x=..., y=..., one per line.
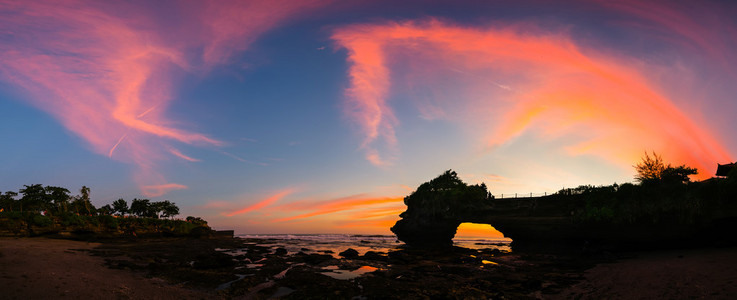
x=426, y=233
x=435, y=210
x=616, y=219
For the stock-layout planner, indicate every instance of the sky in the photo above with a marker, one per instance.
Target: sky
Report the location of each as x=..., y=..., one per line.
x=320, y=116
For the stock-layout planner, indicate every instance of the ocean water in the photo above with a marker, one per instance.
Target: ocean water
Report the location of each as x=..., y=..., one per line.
x=336, y=243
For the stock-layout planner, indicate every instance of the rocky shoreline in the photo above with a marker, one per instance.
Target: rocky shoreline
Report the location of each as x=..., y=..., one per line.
x=234, y=268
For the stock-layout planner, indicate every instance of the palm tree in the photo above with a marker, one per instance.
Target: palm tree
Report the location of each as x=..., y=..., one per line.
x=60, y=197
x=120, y=206
x=85, y=191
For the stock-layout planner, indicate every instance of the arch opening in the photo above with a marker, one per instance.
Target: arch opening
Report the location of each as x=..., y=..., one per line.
x=480, y=236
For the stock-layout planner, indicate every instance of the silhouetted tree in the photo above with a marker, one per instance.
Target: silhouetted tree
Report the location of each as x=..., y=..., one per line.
x=7, y=200
x=678, y=174
x=140, y=208
x=60, y=197
x=34, y=198
x=155, y=208
x=653, y=169
x=105, y=210
x=650, y=168
x=85, y=196
x=120, y=207
x=169, y=209
x=81, y=204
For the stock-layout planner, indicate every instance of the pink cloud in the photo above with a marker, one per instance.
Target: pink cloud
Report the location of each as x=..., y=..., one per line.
x=161, y=189
x=529, y=80
x=106, y=70
x=179, y=154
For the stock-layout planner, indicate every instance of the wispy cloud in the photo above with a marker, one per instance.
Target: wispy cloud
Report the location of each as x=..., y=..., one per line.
x=594, y=101
x=106, y=70
x=261, y=204
x=179, y=154
x=158, y=190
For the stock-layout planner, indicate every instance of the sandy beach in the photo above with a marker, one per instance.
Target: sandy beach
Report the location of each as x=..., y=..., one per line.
x=42, y=268
x=672, y=274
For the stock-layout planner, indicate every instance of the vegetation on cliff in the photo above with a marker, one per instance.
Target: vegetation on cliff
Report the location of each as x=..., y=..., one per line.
x=436, y=208
x=664, y=194
x=663, y=198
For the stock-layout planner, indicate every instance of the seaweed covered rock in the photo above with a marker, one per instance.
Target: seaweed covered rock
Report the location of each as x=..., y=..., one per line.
x=435, y=210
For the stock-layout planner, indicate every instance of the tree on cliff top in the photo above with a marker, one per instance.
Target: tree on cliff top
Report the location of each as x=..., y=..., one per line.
x=445, y=196
x=653, y=170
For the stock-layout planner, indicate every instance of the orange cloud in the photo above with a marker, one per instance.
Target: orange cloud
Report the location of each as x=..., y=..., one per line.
x=333, y=206
x=523, y=80
x=105, y=70
x=375, y=225
x=261, y=204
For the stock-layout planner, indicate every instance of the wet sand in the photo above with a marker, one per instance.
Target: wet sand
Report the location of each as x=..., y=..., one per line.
x=42, y=268
x=673, y=274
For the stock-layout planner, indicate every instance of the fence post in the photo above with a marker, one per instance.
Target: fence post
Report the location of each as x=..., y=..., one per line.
x=515, y=195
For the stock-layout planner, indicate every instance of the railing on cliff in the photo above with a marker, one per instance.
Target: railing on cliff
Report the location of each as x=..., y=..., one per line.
x=521, y=195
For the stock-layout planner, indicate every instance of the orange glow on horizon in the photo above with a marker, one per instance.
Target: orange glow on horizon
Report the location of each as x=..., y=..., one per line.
x=477, y=230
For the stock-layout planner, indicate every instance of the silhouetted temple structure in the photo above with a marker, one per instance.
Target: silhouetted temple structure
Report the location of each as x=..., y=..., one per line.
x=723, y=170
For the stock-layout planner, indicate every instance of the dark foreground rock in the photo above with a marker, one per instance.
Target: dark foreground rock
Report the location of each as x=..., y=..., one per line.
x=349, y=253
x=234, y=268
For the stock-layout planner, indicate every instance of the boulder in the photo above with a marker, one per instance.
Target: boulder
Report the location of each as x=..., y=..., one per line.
x=349, y=253
x=425, y=233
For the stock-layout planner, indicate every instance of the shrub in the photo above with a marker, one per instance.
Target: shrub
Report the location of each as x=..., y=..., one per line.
x=109, y=221
x=42, y=221
x=72, y=220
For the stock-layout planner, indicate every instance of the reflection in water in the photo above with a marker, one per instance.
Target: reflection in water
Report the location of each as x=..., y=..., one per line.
x=346, y=274
x=335, y=243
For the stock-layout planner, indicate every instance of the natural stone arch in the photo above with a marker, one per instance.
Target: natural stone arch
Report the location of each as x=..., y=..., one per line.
x=438, y=207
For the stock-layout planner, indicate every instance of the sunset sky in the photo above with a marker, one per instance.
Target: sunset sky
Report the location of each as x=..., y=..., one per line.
x=320, y=116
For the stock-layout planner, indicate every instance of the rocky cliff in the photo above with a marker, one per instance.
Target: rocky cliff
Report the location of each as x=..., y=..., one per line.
x=611, y=217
